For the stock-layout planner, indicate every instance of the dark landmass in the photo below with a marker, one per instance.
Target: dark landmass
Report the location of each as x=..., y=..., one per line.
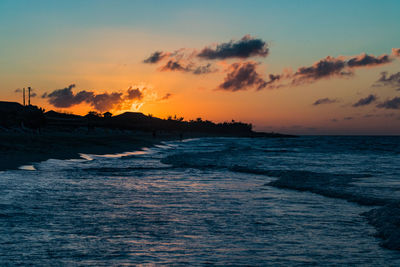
x=29, y=134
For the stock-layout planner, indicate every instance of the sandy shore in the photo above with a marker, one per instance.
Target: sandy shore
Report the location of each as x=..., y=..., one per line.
x=18, y=149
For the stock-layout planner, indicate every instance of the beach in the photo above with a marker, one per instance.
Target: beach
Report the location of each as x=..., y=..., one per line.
x=22, y=148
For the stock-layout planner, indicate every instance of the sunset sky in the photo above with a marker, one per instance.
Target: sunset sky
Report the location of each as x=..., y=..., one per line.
x=303, y=67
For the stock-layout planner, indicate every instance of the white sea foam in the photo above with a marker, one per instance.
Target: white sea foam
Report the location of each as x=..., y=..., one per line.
x=27, y=168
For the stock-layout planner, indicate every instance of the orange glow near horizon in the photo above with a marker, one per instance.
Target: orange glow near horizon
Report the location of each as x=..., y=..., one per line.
x=105, y=62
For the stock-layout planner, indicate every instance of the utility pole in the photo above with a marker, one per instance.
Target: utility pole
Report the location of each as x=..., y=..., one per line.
x=29, y=96
x=23, y=96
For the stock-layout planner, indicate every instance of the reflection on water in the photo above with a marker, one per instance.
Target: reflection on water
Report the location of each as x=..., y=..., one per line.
x=192, y=208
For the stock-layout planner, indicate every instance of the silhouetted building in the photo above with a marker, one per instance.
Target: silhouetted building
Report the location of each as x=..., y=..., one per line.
x=8, y=107
x=107, y=115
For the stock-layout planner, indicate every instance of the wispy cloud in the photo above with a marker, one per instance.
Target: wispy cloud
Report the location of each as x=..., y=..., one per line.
x=190, y=60
x=365, y=101
x=166, y=96
x=329, y=67
x=155, y=57
x=393, y=103
x=322, y=101
x=33, y=94
x=392, y=80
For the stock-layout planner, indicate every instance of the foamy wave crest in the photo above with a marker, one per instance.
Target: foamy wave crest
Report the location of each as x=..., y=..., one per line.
x=327, y=184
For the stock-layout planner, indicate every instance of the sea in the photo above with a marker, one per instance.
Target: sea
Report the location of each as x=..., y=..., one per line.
x=310, y=200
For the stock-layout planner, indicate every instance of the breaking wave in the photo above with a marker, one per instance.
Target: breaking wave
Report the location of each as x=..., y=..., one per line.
x=358, y=177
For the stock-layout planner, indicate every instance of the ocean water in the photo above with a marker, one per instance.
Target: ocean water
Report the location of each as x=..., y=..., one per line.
x=219, y=201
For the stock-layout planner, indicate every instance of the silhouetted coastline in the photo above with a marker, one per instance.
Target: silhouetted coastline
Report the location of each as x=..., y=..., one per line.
x=29, y=134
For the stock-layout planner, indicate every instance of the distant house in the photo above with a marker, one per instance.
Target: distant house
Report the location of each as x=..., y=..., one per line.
x=107, y=115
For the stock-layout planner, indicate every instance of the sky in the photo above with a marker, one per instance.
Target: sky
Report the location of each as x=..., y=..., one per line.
x=300, y=67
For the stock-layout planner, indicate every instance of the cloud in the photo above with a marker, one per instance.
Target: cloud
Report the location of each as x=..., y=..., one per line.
x=341, y=67
x=155, y=57
x=393, y=103
x=242, y=76
x=172, y=65
x=323, y=68
x=63, y=98
x=134, y=93
x=392, y=80
x=274, y=80
x=365, y=101
x=347, y=118
x=166, y=96
x=324, y=101
x=105, y=101
x=203, y=69
x=246, y=47
x=19, y=90
x=66, y=98
x=365, y=60
x=396, y=52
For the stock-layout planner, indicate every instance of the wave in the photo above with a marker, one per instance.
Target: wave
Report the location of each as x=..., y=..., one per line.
x=386, y=220
x=126, y=169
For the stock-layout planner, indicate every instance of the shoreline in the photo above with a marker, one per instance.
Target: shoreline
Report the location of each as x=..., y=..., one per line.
x=19, y=149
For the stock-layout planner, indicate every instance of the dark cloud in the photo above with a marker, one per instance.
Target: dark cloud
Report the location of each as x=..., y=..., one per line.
x=273, y=81
x=334, y=120
x=167, y=96
x=365, y=101
x=335, y=67
x=324, y=101
x=347, y=118
x=393, y=103
x=134, y=93
x=155, y=57
x=396, y=52
x=105, y=101
x=246, y=47
x=392, y=80
x=176, y=65
x=172, y=65
x=33, y=94
x=323, y=68
x=203, y=69
x=242, y=76
x=365, y=60
x=19, y=90
x=65, y=98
